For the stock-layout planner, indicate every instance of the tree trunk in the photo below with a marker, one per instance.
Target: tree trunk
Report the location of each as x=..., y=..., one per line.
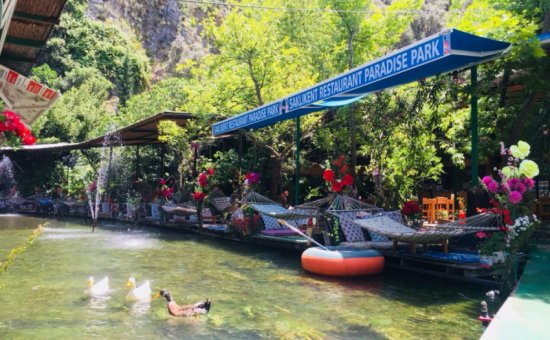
x=504, y=88
x=546, y=23
x=257, y=86
x=522, y=118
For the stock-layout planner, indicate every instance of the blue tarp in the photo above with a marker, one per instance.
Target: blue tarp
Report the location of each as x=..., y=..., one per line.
x=443, y=52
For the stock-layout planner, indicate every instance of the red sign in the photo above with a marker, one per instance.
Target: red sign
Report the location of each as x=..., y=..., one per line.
x=12, y=77
x=34, y=87
x=49, y=94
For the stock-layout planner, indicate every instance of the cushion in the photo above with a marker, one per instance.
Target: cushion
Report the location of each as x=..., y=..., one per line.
x=376, y=237
x=279, y=232
x=352, y=231
x=271, y=223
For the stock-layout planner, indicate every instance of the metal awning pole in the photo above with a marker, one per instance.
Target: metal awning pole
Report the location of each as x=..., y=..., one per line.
x=297, y=184
x=474, y=127
x=239, y=164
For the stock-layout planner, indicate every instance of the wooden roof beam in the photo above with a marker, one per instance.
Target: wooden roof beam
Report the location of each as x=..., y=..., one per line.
x=15, y=59
x=25, y=42
x=38, y=19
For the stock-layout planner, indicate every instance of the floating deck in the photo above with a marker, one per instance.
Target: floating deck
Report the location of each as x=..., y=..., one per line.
x=473, y=273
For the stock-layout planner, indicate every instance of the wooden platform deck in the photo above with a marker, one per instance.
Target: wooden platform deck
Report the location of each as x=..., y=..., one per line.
x=472, y=273
x=400, y=260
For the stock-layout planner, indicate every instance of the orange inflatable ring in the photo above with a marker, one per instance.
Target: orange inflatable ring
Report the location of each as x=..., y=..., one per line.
x=342, y=261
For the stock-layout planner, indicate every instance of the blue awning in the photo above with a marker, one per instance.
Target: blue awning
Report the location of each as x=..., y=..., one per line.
x=443, y=52
x=544, y=38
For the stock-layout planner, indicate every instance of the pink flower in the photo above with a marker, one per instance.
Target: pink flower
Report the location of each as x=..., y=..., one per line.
x=514, y=197
x=520, y=187
x=493, y=187
x=162, y=181
x=487, y=179
x=512, y=183
x=252, y=178
x=481, y=234
x=210, y=171
x=529, y=183
x=92, y=186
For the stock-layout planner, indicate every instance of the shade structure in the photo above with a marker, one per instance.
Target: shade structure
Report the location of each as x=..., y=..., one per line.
x=24, y=96
x=144, y=132
x=443, y=52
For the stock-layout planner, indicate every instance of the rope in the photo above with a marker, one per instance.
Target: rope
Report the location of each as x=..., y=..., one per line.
x=286, y=224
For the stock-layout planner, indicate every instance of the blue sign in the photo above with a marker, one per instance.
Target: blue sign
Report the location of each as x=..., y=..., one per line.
x=433, y=55
x=372, y=72
x=248, y=118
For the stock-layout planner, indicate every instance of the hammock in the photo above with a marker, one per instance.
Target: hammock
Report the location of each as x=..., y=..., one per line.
x=279, y=212
x=385, y=226
x=334, y=204
x=268, y=207
x=255, y=198
x=221, y=203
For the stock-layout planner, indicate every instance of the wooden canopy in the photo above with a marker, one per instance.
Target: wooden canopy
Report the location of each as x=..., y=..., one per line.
x=26, y=26
x=144, y=132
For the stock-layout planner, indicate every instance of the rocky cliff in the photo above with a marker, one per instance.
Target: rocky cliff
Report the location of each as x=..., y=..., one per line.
x=170, y=30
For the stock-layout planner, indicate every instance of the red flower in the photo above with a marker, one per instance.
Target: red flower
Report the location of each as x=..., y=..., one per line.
x=203, y=179
x=504, y=229
x=344, y=169
x=199, y=196
x=340, y=161
x=410, y=208
x=347, y=180
x=328, y=175
x=210, y=171
x=336, y=186
x=481, y=234
x=29, y=139
x=162, y=181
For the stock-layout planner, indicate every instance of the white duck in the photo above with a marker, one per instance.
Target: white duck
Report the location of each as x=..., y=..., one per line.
x=98, y=289
x=141, y=293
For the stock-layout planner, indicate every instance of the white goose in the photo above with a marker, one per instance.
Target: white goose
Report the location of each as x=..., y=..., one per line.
x=98, y=289
x=141, y=293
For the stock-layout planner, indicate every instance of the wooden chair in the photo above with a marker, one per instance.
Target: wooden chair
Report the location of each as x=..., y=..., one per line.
x=428, y=209
x=447, y=205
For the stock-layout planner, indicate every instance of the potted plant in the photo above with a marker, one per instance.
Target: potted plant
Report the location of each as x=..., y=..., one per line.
x=442, y=216
x=412, y=213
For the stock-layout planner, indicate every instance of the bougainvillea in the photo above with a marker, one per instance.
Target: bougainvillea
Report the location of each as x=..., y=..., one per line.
x=13, y=130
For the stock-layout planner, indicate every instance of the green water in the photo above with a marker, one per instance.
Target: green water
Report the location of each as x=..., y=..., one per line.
x=256, y=293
